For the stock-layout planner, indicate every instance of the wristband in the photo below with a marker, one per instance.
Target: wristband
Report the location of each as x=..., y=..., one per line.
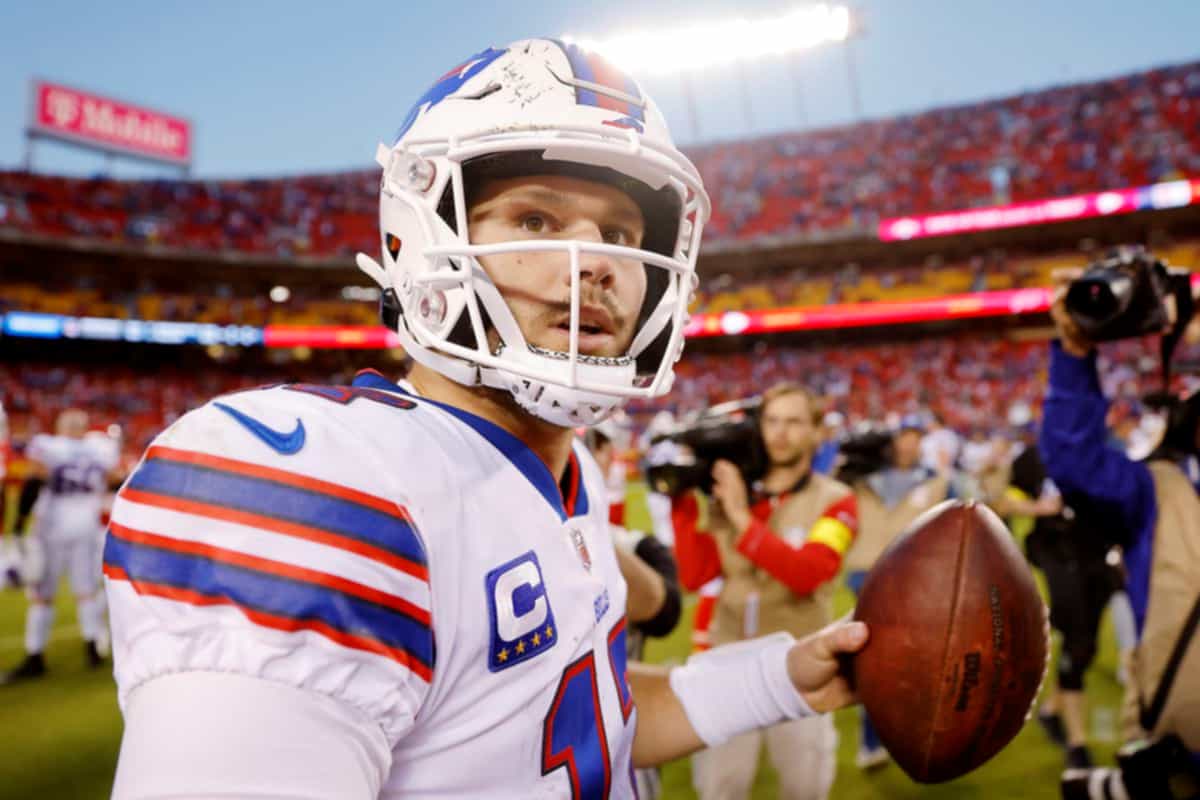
x=738, y=688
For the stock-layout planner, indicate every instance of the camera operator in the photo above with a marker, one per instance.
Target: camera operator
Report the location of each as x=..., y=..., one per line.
x=889, y=499
x=778, y=545
x=1157, y=504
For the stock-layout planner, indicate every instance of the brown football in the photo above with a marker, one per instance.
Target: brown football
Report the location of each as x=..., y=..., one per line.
x=958, y=645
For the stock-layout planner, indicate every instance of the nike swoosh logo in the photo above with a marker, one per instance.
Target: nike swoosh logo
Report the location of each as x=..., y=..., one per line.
x=283, y=443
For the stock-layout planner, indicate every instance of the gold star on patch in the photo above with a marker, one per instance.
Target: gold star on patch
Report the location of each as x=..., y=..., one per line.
x=502, y=655
x=549, y=632
x=536, y=640
x=520, y=647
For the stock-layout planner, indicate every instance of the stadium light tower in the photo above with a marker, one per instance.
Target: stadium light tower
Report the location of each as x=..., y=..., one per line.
x=719, y=43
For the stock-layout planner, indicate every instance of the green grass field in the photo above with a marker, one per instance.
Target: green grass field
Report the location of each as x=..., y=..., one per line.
x=59, y=736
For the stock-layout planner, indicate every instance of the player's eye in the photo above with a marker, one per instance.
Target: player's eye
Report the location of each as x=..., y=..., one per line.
x=618, y=236
x=534, y=223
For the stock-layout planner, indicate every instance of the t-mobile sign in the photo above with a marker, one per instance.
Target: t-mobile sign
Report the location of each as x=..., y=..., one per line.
x=105, y=124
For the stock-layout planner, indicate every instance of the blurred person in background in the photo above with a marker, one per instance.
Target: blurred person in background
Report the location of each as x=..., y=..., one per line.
x=976, y=453
x=940, y=445
x=825, y=458
x=654, y=603
x=888, y=501
x=10, y=552
x=665, y=451
x=1070, y=544
x=72, y=472
x=646, y=563
x=993, y=478
x=1156, y=505
x=777, y=545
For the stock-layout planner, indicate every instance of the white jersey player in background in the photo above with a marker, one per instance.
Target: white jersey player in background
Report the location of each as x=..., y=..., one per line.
x=10, y=552
x=410, y=591
x=75, y=470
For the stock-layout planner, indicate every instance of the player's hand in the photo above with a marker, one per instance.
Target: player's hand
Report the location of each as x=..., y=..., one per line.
x=814, y=666
x=729, y=489
x=1048, y=505
x=1074, y=343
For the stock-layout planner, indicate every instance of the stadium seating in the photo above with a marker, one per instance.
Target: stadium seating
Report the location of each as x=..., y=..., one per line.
x=1128, y=131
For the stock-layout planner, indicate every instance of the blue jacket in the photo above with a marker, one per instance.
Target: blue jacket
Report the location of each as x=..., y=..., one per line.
x=1074, y=449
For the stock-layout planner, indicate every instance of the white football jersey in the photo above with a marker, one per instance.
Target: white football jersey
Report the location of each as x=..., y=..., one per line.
x=70, y=501
x=404, y=557
x=3, y=442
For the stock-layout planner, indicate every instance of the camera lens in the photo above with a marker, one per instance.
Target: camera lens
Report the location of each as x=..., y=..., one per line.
x=1099, y=297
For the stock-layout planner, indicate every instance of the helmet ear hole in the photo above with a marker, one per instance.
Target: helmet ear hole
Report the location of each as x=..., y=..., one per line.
x=463, y=332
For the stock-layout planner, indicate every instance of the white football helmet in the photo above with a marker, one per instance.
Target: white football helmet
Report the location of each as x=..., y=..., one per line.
x=536, y=107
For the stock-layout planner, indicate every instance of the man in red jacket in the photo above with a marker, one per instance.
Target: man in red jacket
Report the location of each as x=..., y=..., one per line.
x=778, y=545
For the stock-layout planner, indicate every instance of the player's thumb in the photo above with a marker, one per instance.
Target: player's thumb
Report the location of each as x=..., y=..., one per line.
x=842, y=637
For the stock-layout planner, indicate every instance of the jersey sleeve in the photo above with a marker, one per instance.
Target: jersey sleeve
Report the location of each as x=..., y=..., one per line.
x=1073, y=444
x=40, y=449
x=235, y=548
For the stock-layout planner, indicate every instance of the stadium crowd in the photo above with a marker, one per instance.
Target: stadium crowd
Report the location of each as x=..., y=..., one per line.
x=970, y=383
x=1128, y=131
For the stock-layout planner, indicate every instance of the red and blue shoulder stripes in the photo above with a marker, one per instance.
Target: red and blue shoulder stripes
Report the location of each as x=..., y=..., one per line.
x=180, y=555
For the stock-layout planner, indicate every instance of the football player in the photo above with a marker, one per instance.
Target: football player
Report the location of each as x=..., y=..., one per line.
x=410, y=590
x=10, y=552
x=74, y=471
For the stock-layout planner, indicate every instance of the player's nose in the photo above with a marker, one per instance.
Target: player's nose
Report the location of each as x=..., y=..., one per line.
x=597, y=268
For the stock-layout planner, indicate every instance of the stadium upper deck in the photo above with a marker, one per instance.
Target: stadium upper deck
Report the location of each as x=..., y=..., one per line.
x=1128, y=131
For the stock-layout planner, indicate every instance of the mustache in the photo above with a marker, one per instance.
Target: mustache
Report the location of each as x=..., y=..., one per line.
x=605, y=300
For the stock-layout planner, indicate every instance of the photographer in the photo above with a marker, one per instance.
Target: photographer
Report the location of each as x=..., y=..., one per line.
x=1158, y=507
x=778, y=545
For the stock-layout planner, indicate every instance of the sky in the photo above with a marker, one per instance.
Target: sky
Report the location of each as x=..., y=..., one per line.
x=277, y=88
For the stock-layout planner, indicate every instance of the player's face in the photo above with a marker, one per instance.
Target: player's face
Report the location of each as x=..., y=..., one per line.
x=73, y=422
x=603, y=453
x=788, y=431
x=537, y=285
x=907, y=447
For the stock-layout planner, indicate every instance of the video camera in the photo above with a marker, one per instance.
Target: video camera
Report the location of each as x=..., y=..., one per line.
x=1127, y=294
x=1130, y=293
x=682, y=458
x=863, y=453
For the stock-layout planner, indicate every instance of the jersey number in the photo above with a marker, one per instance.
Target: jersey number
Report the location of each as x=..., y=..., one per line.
x=573, y=733
x=76, y=479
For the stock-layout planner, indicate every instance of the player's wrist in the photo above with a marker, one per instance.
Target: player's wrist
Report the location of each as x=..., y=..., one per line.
x=739, y=688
